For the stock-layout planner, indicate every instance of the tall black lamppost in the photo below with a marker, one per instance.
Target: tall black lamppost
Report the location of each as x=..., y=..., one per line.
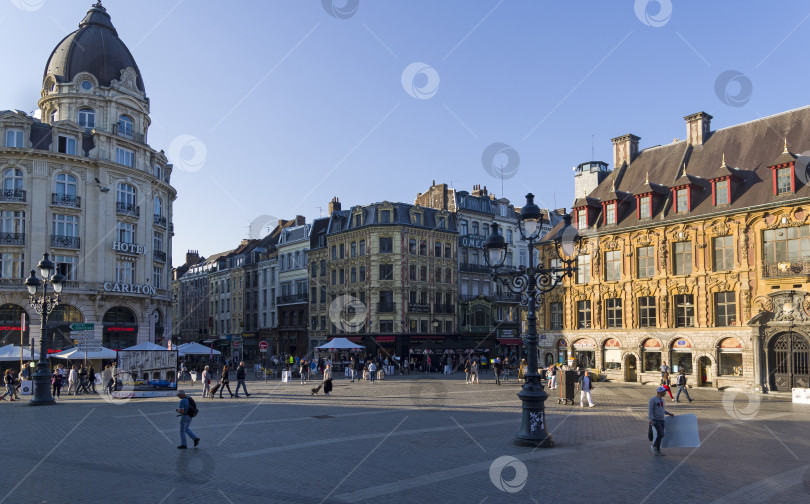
x=532, y=283
x=43, y=305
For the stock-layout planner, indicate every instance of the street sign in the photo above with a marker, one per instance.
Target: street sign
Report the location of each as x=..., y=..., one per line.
x=82, y=326
x=263, y=346
x=89, y=349
x=236, y=344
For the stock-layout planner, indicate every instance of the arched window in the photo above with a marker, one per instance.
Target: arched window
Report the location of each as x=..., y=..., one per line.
x=12, y=179
x=125, y=194
x=87, y=118
x=54, y=112
x=65, y=185
x=158, y=206
x=124, y=125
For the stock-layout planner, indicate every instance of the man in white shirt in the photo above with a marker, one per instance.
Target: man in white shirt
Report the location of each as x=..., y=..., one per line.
x=372, y=371
x=73, y=381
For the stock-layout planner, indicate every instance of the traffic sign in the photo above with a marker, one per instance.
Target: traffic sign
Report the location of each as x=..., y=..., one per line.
x=89, y=349
x=82, y=326
x=263, y=346
x=236, y=344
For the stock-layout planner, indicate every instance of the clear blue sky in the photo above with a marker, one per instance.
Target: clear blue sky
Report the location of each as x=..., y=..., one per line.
x=292, y=105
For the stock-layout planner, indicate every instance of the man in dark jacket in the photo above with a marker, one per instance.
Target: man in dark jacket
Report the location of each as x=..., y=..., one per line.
x=240, y=379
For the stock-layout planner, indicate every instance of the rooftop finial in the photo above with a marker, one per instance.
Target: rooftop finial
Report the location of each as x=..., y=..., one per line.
x=613, y=186
x=724, y=161
x=647, y=178
x=684, y=169
x=786, y=149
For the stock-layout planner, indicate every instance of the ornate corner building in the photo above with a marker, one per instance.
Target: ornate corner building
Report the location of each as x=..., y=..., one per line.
x=81, y=182
x=695, y=254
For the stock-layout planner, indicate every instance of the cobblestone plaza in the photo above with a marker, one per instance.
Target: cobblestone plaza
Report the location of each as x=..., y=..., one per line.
x=404, y=439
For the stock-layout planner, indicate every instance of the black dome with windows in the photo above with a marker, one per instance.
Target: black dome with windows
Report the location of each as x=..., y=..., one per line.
x=94, y=48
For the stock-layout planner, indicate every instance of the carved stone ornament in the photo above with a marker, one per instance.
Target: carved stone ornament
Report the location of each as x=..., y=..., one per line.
x=789, y=307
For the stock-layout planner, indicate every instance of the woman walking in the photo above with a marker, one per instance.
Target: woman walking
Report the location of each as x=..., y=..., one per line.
x=224, y=381
x=467, y=371
x=522, y=371
x=8, y=379
x=206, y=382
x=665, y=384
x=327, y=381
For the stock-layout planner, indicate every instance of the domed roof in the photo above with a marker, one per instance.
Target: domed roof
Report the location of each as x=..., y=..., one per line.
x=94, y=48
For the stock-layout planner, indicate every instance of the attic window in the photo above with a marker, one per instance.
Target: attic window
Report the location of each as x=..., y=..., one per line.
x=358, y=220
x=385, y=216
x=721, y=192
x=682, y=200
x=582, y=218
x=783, y=180
x=644, y=207
x=66, y=145
x=610, y=213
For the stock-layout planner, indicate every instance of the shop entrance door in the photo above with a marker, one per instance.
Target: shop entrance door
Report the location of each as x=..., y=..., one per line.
x=704, y=372
x=788, y=362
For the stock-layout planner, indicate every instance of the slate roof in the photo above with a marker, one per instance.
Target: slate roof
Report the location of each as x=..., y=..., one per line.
x=749, y=147
x=342, y=220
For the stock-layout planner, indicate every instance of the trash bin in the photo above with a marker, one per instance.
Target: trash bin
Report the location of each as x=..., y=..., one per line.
x=567, y=386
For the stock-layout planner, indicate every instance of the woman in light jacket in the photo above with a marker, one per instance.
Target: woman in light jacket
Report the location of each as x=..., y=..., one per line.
x=327, y=379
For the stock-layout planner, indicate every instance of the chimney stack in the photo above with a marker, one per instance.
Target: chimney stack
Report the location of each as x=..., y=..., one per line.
x=300, y=220
x=334, y=205
x=192, y=257
x=625, y=149
x=698, y=128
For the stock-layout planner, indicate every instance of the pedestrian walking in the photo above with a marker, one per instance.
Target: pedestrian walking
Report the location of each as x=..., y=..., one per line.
x=8, y=380
x=680, y=381
x=656, y=412
x=302, y=370
x=372, y=371
x=552, y=371
x=497, y=367
x=327, y=381
x=206, y=382
x=113, y=377
x=91, y=375
x=240, y=379
x=585, y=387
x=522, y=371
x=506, y=369
x=224, y=382
x=352, y=371
x=56, y=384
x=72, y=385
x=186, y=411
x=665, y=384
x=467, y=375
x=474, y=371
x=664, y=369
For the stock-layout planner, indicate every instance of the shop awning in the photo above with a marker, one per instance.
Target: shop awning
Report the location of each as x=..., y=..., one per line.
x=510, y=341
x=385, y=338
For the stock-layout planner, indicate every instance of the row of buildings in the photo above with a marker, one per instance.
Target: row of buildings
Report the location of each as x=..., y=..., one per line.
x=388, y=275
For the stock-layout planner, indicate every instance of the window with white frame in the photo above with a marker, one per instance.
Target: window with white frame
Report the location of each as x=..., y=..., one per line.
x=124, y=271
x=124, y=156
x=158, y=172
x=12, y=221
x=65, y=225
x=124, y=125
x=66, y=145
x=87, y=118
x=125, y=194
x=125, y=232
x=66, y=185
x=14, y=138
x=66, y=266
x=12, y=179
x=157, y=277
x=12, y=264
x=158, y=206
x=157, y=241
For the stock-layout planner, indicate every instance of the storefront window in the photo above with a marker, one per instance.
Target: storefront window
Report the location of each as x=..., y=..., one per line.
x=682, y=360
x=731, y=357
x=652, y=355
x=585, y=353
x=612, y=355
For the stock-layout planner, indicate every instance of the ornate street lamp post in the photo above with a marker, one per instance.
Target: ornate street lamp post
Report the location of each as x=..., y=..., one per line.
x=43, y=305
x=532, y=283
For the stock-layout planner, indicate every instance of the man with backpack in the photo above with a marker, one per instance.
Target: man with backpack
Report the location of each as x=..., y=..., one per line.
x=186, y=411
x=681, y=382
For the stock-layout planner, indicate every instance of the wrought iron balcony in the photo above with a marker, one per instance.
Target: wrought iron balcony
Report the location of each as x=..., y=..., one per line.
x=795, y=267
x=132, y=135
x=13, y=195
x=72, y=242
x=474, y=268
x=68, y=200
x=385, y=307
x=159, y=255
x=293, y=298
x=418, y=308
x=12, y=238
x=160, y=221
x=124, y=208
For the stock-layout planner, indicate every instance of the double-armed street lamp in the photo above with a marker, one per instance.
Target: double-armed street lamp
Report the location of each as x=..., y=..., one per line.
x=43, y=305
x=532, y=282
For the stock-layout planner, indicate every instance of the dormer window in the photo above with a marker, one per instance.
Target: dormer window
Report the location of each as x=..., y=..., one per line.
x=54, y=114
x=87, y=118
x=385, y=216
x=14, y=138
x=610, y=213
x=66, y=145
x=721, y=192
x=682, y=200
x=645, y=207
x=784, y=180
x=358, y=220
x=582, y=218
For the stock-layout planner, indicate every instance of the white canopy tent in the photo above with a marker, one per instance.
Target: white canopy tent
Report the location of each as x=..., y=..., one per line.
x=339, y=344
x=12, y=353
x=76, y=354
x=195, y=348
x=146, y=345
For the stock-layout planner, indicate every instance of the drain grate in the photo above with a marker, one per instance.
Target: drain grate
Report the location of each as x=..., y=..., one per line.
x=322, y=417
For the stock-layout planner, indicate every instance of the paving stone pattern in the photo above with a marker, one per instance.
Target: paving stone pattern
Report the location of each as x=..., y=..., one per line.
x=404, y=439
